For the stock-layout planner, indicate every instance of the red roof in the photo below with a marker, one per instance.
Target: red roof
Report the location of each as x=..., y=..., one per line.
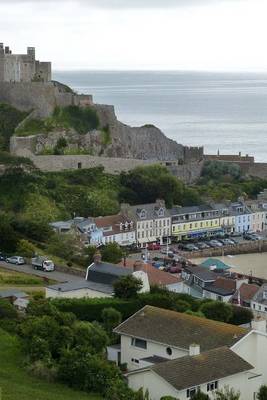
x=155, y=276
x=247, y=292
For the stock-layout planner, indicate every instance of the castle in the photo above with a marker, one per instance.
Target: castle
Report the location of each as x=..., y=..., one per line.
x=22, y=67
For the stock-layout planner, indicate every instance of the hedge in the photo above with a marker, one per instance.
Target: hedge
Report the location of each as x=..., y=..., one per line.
x=91, y=309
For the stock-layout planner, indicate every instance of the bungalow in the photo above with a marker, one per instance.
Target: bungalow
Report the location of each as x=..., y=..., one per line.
x=174, y=354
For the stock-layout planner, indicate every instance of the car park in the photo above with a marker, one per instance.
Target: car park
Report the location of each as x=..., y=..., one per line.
x=15, y=260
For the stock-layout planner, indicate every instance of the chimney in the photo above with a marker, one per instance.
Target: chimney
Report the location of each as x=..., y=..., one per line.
x=259, y=324
x=97, y=258
x=194, y=349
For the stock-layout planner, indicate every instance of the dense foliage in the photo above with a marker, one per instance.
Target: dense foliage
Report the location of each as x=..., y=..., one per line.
x=91, y=309
x=9, y=120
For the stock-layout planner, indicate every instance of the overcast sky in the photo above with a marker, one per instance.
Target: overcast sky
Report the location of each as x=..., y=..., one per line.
x=140, y=34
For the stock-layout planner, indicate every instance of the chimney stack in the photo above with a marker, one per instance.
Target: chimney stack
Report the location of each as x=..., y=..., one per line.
x=194, y=349
x=97, y=257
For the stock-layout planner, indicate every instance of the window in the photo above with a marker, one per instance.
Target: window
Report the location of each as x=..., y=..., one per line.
x=190, y=392
x=142, y=344
x=212, y=386
x=169, y=351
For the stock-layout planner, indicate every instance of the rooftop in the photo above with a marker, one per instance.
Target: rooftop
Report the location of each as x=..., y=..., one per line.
x=106, y=273
x=222, y=286
x=82, y=284
x=214, y=262
x=179, y=330
x=201, y=273
x=261, y=295
x=188, y=371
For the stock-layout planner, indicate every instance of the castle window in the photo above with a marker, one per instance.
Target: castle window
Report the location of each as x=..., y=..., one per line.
x=79, y=165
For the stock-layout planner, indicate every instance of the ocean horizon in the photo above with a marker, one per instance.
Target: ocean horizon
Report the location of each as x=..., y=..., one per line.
x=217, y=110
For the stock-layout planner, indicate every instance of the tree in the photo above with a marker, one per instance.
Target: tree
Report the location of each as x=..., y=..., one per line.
x=241, y=315
x=200, y=396
x=26, y=248
x=7, y=310
x=8, y=237
x=90, y=336
x=64, y=245
x=226, y=394
x=217, y=310
x=111, y=318
x=262, y=393
x=112, y=253
x=147, y=184
x=127, y=287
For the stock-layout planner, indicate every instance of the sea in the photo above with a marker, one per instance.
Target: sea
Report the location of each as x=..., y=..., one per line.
x=220, y=111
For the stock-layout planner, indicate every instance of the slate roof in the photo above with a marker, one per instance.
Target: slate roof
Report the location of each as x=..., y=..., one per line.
x=106, y=273
x=12, y=293
x=83, y=284
x=191, y=209
x=151, y=211
x=188, y=371
x=202, y=273
x=179, y=330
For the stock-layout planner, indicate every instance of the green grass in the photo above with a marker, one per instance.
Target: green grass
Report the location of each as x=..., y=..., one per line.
x=16, y=383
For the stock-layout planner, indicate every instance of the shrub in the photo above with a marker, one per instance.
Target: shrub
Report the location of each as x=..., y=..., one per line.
x=26, y=248
x=111, y=318
x=241, y=315
x=7, y=310
x=262, y=393
x=127, y=287
x=217, y=310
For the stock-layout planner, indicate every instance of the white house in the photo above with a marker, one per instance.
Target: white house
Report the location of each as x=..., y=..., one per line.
x=259, y=300
x=116, y=228
x=174, y=354
x=152, y=222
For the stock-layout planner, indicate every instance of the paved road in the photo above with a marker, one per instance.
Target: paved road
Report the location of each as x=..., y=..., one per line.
x=55, y=275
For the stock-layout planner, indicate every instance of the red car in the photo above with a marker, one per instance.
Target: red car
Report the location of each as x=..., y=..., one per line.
x=153, y=246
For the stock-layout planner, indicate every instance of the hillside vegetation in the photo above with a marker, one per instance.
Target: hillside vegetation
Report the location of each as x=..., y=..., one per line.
x=16, y=383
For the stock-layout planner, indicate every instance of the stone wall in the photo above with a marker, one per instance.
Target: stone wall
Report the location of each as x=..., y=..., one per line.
x=42, y=97
x=258, y=170
x=61, y=163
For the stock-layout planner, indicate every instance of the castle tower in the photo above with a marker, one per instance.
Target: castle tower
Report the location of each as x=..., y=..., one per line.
x=31, y=53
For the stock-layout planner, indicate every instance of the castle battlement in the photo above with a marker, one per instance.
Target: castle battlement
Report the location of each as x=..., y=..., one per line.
x=22, y=67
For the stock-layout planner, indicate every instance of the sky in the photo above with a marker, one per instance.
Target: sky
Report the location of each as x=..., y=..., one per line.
x=204, y=35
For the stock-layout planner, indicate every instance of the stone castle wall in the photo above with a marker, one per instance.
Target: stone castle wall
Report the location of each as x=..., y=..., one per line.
x=42, y=97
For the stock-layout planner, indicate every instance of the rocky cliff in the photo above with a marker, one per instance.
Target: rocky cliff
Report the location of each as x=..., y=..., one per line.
x=111, y=139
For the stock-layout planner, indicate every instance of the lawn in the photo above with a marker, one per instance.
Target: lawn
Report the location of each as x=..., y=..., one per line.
x=19, y=279
x=16, y=383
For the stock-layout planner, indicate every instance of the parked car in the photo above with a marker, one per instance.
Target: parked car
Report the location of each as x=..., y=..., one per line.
x=202, y=245
x=227, y=242
x=153, y=246
x=15, y=260
x=191, y=247
x=215, y=243
x=249, y=235
x=2, y=257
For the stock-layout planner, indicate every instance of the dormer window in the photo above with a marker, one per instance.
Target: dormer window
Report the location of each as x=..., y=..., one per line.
x=161, y=212
x=143, y=214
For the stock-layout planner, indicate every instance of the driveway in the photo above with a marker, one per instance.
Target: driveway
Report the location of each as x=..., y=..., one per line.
x=55, y=275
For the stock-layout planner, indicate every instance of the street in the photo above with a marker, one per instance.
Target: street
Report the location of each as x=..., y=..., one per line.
x=55, y=275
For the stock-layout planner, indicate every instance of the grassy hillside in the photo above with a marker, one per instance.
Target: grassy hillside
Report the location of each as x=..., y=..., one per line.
x=16, y=384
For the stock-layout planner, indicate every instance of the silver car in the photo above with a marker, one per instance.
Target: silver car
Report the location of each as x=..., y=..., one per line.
x=15, y=260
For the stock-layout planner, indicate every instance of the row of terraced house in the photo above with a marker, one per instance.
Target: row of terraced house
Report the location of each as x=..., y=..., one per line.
x=150, y=223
